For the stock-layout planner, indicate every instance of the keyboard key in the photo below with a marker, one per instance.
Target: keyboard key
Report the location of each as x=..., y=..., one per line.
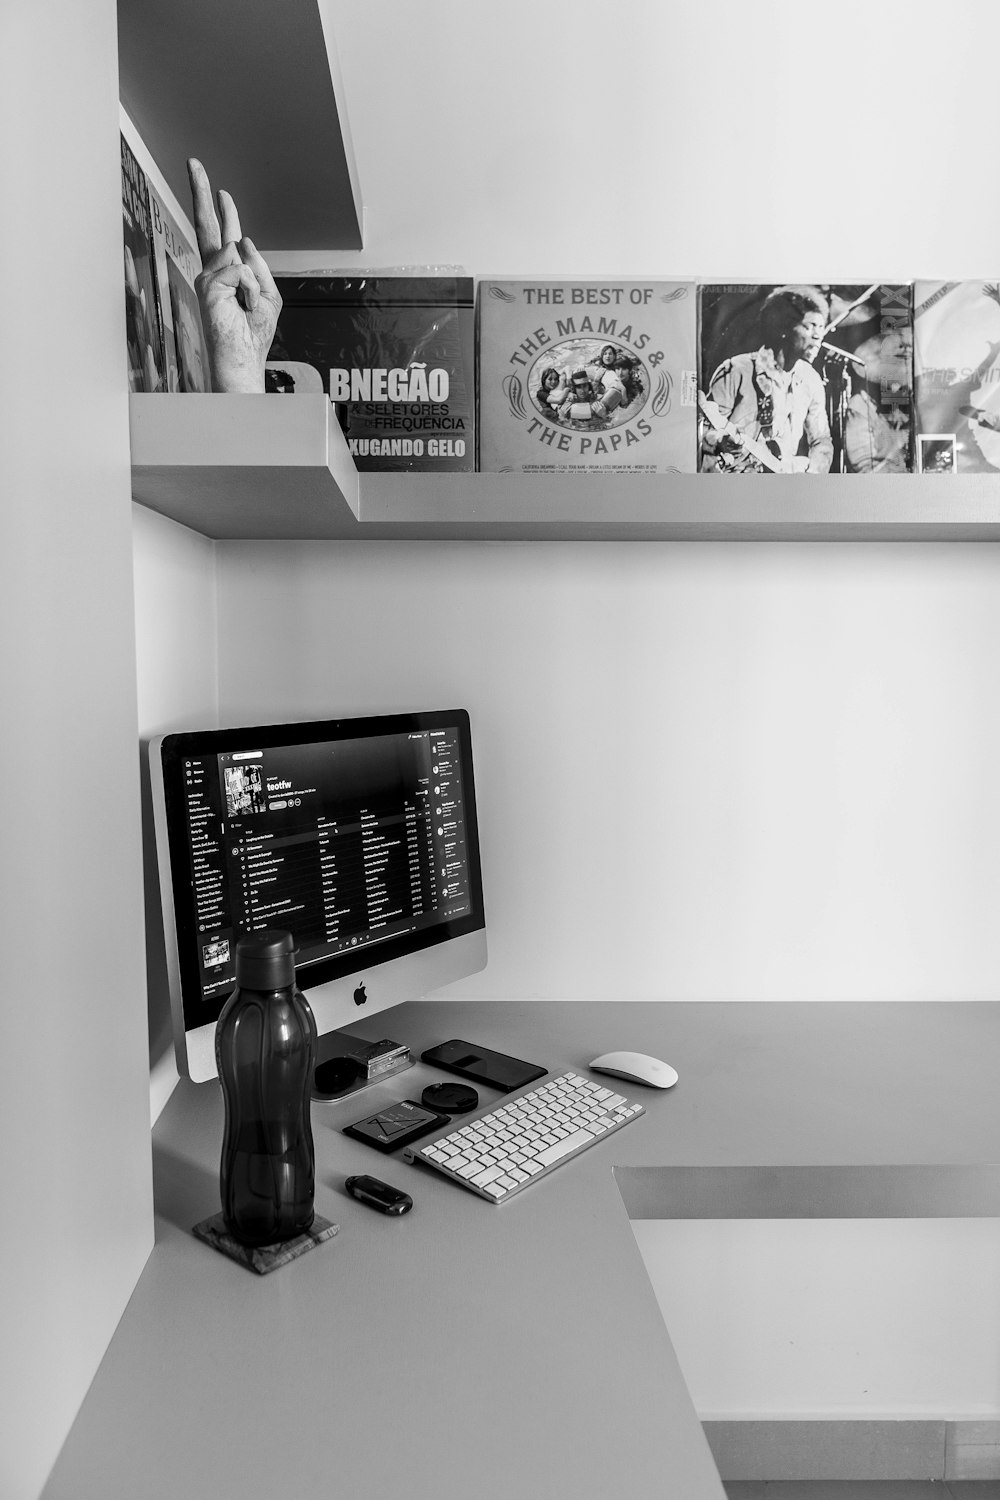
x=564, y=1147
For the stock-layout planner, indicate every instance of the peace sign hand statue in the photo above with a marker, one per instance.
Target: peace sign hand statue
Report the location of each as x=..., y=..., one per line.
x=236, y=292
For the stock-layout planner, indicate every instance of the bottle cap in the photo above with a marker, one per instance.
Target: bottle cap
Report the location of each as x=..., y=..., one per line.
x=266, y=961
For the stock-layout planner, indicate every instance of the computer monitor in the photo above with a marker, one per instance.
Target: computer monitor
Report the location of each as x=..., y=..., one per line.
x=359, y=836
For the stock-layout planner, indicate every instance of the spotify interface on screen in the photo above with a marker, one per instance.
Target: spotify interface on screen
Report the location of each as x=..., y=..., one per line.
x=345, y=844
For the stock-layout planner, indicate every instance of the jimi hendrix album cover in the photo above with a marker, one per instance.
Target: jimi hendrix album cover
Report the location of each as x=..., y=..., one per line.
x=586, y=377
x=805, y=378
x=956, y=367
x=395, y=354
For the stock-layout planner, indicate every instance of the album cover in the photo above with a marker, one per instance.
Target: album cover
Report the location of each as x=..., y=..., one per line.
x=177, y=265
x=396, y=356
x=956, y=365
x=587, y=377
x=805, y=378
x=143, y=322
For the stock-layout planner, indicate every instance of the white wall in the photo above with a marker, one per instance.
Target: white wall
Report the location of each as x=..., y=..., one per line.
x=704, y=772
x=176, y=647
x=792, y=139
x=77, y=1223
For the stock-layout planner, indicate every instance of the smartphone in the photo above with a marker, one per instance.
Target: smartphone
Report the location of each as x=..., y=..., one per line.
x=483, y=1066
x=378, y=1194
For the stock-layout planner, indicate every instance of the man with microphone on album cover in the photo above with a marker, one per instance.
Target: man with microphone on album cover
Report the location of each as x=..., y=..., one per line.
x=772, y=397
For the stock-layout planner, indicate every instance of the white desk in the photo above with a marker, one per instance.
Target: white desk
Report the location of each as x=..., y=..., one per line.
x=510, y=1350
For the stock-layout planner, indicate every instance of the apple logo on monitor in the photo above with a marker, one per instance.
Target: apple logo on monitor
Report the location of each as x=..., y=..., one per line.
x=359, y=995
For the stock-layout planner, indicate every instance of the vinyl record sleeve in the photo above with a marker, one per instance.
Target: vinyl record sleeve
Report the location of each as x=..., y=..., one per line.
x=144, y=328
x=176, y=264
x=956, y=367
x=586, y=377
x=853, y=405
x=396, y=356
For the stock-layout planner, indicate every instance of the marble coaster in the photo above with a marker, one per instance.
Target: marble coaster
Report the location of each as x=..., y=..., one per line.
x=263, y=1258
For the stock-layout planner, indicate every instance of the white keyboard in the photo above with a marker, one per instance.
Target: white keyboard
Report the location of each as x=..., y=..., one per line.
x=518, y=1142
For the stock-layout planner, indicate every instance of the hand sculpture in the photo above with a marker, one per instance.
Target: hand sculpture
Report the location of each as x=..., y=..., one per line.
x=236, y=292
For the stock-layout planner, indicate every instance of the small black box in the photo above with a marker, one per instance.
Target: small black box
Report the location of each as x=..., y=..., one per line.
x=397, y=1125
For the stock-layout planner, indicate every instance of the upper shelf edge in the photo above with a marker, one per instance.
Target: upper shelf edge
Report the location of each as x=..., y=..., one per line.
x=252, y=88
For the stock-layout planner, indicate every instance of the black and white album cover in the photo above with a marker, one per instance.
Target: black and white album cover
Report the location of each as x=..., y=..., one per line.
x=171, y=271
x=805, y=378
x=143, y=320
x=396, y=356
x=956, y=366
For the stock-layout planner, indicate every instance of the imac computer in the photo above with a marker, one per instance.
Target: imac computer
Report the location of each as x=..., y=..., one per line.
x=358, y=836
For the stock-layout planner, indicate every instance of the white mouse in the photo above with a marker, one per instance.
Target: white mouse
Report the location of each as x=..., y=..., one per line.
x=637, y=1067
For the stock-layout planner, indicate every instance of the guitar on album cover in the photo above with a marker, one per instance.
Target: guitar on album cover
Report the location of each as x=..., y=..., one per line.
x=755, y=455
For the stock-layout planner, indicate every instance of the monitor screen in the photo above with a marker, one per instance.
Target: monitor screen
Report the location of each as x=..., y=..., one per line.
x=358, y=836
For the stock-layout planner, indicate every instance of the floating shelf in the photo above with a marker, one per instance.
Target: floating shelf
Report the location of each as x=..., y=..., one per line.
x=271, y=467
x=244, y=466
x=681, y=507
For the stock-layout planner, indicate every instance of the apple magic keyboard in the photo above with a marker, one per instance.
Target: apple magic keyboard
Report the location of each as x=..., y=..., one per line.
x=523, y=1138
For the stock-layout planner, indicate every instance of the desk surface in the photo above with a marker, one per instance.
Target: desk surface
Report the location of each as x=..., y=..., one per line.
x=514, y=1349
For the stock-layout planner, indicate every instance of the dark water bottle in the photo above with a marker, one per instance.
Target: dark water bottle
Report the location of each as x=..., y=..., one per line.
x=265, y=1047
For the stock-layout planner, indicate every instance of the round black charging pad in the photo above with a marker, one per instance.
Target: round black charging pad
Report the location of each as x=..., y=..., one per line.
x=450, y=1098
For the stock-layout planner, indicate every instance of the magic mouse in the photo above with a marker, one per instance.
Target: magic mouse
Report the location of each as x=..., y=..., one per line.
x=637, y=1067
